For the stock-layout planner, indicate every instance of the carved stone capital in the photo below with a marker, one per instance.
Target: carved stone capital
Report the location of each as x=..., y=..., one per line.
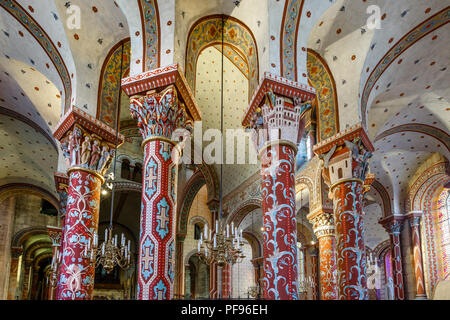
x=392, y=224
x=414, y=218
x=86, y=142
x=16, y=252
x=278, y=111
x=55, y=235
x=323, y=223
x=345, y=156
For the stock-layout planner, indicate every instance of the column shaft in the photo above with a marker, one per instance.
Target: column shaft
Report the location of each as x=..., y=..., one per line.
x=350, y=251
x=397, y=266
x=315, y=288
x=418, y=264
x=327, y=251
x=226, y=282
x=76, y=274
x=156, y=270
x=280, y=226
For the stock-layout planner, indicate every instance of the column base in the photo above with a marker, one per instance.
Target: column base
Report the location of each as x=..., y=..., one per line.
x=421, y=297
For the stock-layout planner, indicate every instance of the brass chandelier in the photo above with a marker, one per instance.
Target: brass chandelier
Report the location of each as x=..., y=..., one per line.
x=224, y=247
x=109, y=254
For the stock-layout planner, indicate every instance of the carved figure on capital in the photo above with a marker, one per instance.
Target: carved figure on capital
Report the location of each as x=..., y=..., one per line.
x=90, y=156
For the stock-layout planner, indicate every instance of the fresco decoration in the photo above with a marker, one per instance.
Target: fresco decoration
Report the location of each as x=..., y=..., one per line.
x=437, y=133
x=22, y=16
x=288, y=39
x=152, y=34
x=322, y=80
x=433, y=23
x=442, y=226
x=110, y=82
x=280, y=226
x=208, y=31
x=350, y=250
x=76, y=279
x=236, y=58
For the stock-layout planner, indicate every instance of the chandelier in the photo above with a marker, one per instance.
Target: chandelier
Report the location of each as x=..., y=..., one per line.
x=109, y=254
x=224, y=247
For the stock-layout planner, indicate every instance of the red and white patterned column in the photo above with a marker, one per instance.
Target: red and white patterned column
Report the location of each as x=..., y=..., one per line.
x=87, y=145
x=414, y=222
x=323, y=226
x=161, y=102
x=345, y=167
x=393, y=226
x=226, y=282
x=275, y=116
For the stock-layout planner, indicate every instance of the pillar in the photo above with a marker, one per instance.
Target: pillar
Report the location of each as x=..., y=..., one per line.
x=179, y=286
x=88, y=146
x=345, y=167
x=55, y=235
x=187, y=290
x=259, y=274
x=414, y=222
x=13, y=272
x=27, y=279
x=315, y=289
x=323, y=227
x=161, y=102
x=226, y=281
x=275, y=118
x=393, y=226
x=7, y=210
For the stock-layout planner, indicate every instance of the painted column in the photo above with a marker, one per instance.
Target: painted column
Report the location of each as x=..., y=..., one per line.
x=393, y=226
x=414, y=222
x=55, y=235
x=315, y=289
x=161, y=102
x=259, y=275
x=345, y=167
x=323, y=226
x=275, y=116
x=88, y=146
x=226, y=281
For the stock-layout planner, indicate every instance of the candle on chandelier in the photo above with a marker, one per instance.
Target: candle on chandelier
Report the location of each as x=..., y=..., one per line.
x=206, y=231
x=199, y=247
x=232, y=228
x=122, y=240
x=106, y=234
x=228, y=231
x=103, y=248
x=217, y=226
x=129, y=245
x=214, y=241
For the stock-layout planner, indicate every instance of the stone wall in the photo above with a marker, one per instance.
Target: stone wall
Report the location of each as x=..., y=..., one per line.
x=6, y=218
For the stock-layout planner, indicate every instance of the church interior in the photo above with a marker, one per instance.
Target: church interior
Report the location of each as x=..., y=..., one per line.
x=331, y=178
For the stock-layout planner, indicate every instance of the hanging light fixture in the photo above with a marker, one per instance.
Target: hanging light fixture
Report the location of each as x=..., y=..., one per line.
x=110, y=254
x=225, y=245
x=304, y=282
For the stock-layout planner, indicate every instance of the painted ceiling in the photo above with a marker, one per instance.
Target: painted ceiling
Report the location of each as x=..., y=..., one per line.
x=395, y=80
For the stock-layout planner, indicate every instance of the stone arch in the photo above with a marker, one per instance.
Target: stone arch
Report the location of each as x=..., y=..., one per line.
x=198, y=219
x=11, y=189
x=255, y=243
x=384, y=196
x=243, y=209
x=207, y=31
x=204, y=175
x=23, y=235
